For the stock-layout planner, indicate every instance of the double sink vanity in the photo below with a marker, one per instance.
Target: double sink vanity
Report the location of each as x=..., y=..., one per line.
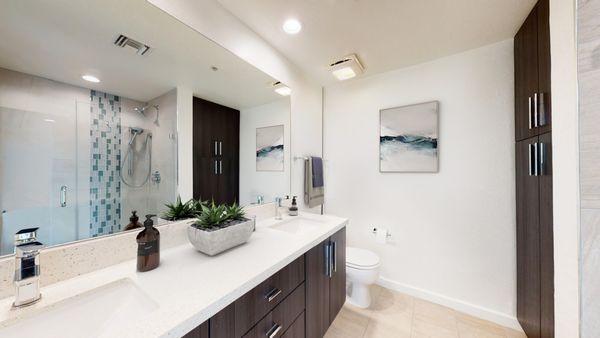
x=288, y=280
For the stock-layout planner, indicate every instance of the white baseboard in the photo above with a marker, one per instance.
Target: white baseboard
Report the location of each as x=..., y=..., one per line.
x=456, y=304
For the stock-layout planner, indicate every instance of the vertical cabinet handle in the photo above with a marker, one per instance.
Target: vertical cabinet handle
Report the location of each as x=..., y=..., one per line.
x=542, y=110
x=542, y=159
x=535, y=110
x=530, y=167
x=220, y=148
x=220, y=167
x=535, y=160
x=216, y=173
x=529, y=111
x=63, y=196
x=327, y=259
x=334, y=256
x=216, y=153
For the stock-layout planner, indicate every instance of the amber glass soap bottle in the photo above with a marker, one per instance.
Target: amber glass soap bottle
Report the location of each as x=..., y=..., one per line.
x=148, y=246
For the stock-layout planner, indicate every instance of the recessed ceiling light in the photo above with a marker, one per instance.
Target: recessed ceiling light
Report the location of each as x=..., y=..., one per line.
x=281, y=89
x=292, y=26
x=346, y=68
x=49, y=120
x=90, y=78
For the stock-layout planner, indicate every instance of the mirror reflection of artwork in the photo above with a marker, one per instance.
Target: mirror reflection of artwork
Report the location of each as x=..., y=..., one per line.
x=269, y=148
x=408, y=138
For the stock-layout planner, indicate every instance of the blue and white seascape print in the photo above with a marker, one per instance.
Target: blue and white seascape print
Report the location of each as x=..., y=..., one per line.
x=408, y=138
x=269, y=148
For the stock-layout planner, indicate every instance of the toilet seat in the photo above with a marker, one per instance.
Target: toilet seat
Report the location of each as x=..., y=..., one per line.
x=361, y=259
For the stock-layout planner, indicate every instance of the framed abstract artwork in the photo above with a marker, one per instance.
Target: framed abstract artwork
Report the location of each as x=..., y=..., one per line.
x=269, y=148
x=408, y=138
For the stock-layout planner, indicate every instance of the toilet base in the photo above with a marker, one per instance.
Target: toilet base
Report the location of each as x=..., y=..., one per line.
x=359, y=295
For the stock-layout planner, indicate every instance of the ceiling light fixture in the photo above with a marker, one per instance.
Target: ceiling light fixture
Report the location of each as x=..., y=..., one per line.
x=292, y=26
x=90, y=78
x=346, y=68
x=281, y=89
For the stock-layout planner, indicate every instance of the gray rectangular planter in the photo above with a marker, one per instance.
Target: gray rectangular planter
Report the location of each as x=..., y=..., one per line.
x=212, y=242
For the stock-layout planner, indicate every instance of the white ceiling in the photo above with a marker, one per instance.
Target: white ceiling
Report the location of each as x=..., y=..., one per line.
x=64, y=39
x=386, y=34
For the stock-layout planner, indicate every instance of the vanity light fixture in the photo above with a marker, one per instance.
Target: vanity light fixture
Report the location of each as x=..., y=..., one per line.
x=281, y=89
x=346, y=68
x=90, y=78
x=292, y=26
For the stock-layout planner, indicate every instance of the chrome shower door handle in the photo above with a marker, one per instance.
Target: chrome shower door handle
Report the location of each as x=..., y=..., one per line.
x=63, y=196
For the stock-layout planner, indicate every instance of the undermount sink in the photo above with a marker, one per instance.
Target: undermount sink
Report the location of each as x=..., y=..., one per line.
x=100, y=312
x=296, y=225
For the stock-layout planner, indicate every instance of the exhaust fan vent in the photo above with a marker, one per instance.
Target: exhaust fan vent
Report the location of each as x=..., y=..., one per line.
x=139, y=47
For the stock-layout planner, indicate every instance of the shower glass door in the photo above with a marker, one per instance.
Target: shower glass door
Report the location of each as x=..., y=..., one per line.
x=38, y=175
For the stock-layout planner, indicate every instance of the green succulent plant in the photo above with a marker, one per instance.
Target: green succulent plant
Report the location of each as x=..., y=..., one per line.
x=235, y=212
x=197, y=206
x=179, y=210
x=212, y=216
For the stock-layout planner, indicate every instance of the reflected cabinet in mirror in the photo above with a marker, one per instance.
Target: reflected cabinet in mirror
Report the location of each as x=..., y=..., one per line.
x=91, y=109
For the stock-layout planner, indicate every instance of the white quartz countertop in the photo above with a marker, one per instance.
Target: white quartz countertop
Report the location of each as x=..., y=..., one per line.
x=189, y=287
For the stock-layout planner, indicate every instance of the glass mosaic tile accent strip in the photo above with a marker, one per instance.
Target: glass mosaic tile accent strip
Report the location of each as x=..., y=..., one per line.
x=105, y=185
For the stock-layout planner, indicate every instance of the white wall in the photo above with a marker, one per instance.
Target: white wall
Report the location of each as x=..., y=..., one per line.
x=565, y=148
x=211, y=20
x=453, y=233
x=269, y=184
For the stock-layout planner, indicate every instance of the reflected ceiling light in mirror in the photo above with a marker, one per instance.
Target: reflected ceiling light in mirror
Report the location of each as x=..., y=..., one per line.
x=90, y=78
x=281, y=89
x=292, y=26
x=346, y=68
x=49, y=120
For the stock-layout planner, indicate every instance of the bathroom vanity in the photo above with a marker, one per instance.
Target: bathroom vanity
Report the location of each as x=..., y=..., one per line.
x=287, y=281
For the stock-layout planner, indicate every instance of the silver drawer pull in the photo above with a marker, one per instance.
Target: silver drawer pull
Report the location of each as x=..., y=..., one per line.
x=529, y=111
x=273, y=294
x=274, y=330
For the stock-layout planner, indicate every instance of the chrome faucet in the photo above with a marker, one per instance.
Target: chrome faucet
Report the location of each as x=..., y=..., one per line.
x=27, y=267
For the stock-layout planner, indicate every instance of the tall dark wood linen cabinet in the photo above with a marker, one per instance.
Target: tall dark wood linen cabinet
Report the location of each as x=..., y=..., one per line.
x=533, y=134
x=216, y=148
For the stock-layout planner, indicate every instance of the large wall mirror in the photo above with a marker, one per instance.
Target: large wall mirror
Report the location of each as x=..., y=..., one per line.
x=90, y=93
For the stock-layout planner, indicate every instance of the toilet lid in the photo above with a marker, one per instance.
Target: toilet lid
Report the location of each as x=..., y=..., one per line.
x=360, y=257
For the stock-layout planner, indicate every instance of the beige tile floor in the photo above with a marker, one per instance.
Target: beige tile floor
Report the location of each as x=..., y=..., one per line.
x=396, y=315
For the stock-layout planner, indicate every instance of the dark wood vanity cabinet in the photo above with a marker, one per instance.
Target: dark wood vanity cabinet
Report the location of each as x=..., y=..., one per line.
x=216, y=143
x=325, y=283
x=533, y=107
x=301, y=300
x=535, y=253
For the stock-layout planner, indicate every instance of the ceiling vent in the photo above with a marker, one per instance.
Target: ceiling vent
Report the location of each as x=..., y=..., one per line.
x=140, y=48
x=346, y=68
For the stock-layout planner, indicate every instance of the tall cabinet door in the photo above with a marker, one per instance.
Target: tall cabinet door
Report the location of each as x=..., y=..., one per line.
x=546, y=237
x=526, y=77
x=528, y=237
x=337, y=283
x=544, y=92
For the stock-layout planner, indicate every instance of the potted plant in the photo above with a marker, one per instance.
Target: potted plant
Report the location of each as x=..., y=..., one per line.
x=220, y=227
x=179, y=210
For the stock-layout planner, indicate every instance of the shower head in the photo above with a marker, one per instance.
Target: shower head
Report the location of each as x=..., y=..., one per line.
x=141, y=110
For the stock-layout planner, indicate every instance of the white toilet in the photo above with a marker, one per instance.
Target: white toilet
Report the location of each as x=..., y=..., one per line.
x=362, y=270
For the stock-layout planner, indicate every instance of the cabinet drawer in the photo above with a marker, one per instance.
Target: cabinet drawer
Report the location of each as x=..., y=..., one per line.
x=297, y=328
x=278, y=321
x=256, y=303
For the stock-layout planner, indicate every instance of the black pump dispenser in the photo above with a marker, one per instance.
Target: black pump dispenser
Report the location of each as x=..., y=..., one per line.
x=294, y=207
